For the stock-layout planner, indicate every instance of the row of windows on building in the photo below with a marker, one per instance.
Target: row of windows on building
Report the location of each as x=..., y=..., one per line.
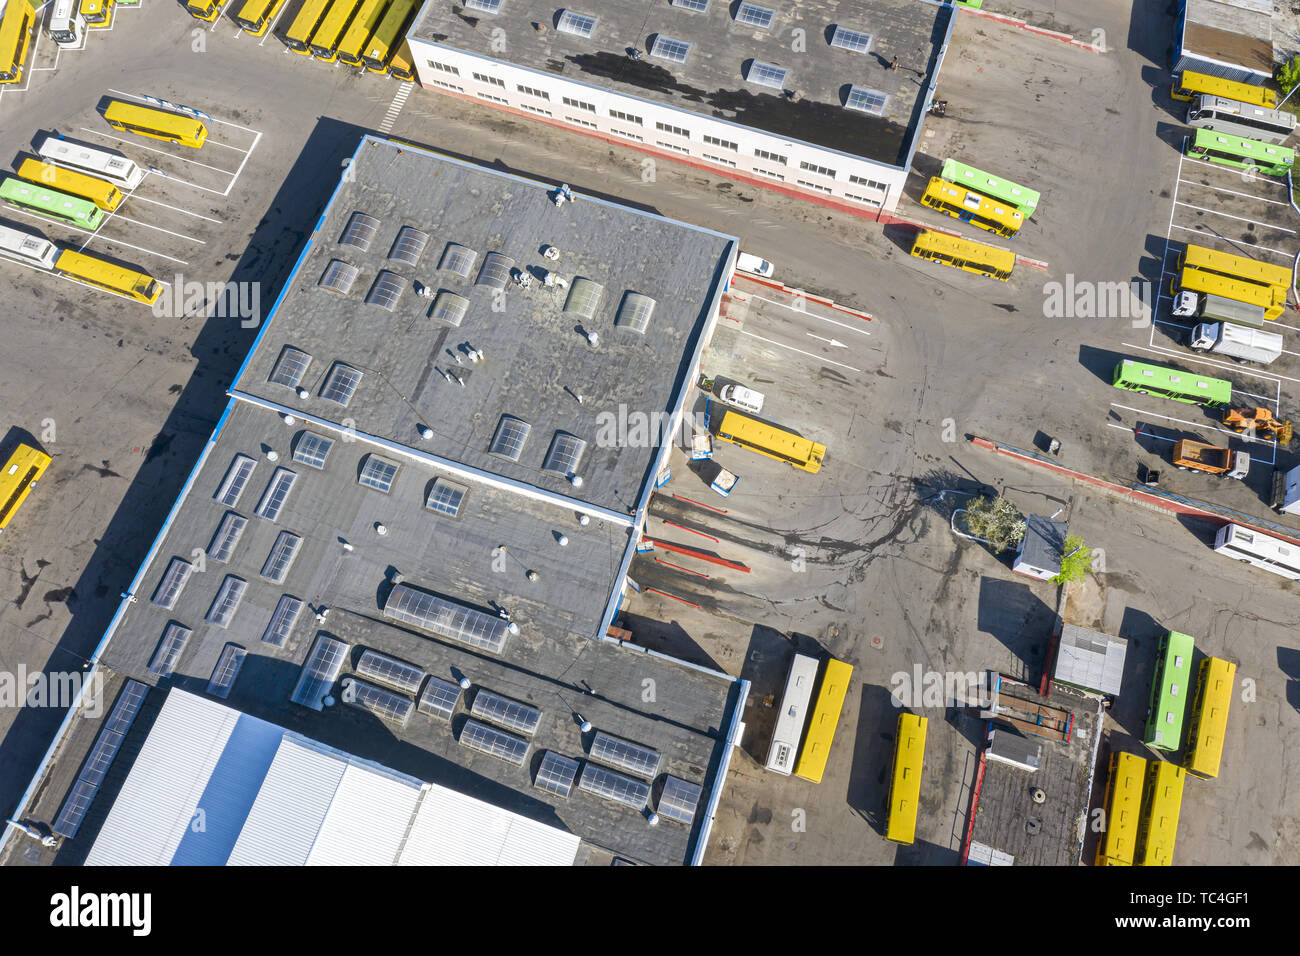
x=682, y=132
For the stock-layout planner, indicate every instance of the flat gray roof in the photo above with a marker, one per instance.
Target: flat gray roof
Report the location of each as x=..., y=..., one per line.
x=713, y=78
x=1091, y=660
x=535, y=362
x=1044, y=542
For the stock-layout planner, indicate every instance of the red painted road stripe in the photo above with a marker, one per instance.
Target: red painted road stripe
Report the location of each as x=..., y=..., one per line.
x=675, y=598
x=692, y=531
x=698, y=574
x=721, y=511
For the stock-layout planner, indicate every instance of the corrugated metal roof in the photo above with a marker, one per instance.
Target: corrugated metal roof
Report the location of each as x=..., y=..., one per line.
x=1091, y=659
x=272, y=797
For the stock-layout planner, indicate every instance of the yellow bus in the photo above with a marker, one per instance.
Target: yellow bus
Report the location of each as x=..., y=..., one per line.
x=15, y=38
x=1190, y=83
x=964, y=254
x=402, y=66
x=205, y=10
x=389, y=35
x=1209, y=722
x=972, y=207
x=305, y=24
x=21, y=472
x=772, y=441
x=1161, y=803
x=102, y=274
x=905, y=782
x=103, y=194
x=98, y=14
x=325, y=41
x=157, y=124
x=255, y=16
x=825, y=717
x=1269, y=298
x=1232, y=266
x=369, y=16
x=1118, y=842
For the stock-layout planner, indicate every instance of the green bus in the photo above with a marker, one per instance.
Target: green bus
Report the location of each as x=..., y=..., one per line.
x=1013, y=194
x=1228, y=150
x=1169, y=691
x=37, y=198
x=1173, y=383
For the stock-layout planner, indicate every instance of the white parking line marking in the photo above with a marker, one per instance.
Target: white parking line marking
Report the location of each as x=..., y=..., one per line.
x=240, y=170
x=1268, y=377
x=178, y=235
x=1169, y=418
x=246, y=129
x=271, y=29
x=1255, y=222
x=161, y=152
x=1224, y=189
x=800, y=351
x=155, y=202
x=1242, y=242
x=786, y=305
x=1131, y=431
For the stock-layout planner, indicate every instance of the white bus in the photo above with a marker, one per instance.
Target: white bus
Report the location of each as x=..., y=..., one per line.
x=1240, y=119
x=29, y=247
x=105, y=163
x=1261, y=550
x=67, y=25
x=792, y=715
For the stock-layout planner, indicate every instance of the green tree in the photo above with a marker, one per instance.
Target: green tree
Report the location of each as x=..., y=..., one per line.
x=1288, y=74
x=1076, y=561
x=997, y=521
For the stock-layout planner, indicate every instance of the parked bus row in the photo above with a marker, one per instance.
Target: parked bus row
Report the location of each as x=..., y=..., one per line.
x=1235, y=124
x=35, y=250
x=1143, y=803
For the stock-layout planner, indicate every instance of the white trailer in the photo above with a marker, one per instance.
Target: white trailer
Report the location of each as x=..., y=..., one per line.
x=1286, y=491
x=1251, y=345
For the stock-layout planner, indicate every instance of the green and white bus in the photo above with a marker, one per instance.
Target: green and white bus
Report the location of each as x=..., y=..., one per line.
x=1228, y=150
x=36, y=198
x=1173, y=383
x=1169, y=691
x=1013, y=194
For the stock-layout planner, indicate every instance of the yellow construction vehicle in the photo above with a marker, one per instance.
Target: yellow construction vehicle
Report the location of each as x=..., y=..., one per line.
x=1266, y=426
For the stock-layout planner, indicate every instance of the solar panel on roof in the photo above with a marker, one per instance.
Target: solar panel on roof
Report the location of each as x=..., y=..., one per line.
x=624, y=754
x=679, y=800
x=765, y=74
x=386, y=291
x=496, y=271
x=497, y=743
x=564, y=454
x=227, y=537
x=389, y=670
x=237, y=475
x=291, y=367
x=439, y=698
x=614, y=786
x=579, y=24
x=458, y=259
x=378, y=473
x=312, y=449
x=446, y=497
x=170, y=647
x=281, y=557
x=172, y=583
x=226, y=603
x=449, y=307
x=751, y=14
x=319, y=672
x=866, y=101
x=277, y=492
x=439, y=616
x=107, y=743
x=666, y=48
x=511, y=433
x=341, y=384
x=851, y=40
x=634, y=312
x=409, y=245
x=384, y=704
x=506, y=712
x=360, y=230
x=227, y=670
x=282, y=621
x=339, y=276
x=584, y=297
x=556, y=773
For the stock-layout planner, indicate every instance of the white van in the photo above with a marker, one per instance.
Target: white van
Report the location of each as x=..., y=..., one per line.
x=67, y=26
x=741, y=397
x=754, y=265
